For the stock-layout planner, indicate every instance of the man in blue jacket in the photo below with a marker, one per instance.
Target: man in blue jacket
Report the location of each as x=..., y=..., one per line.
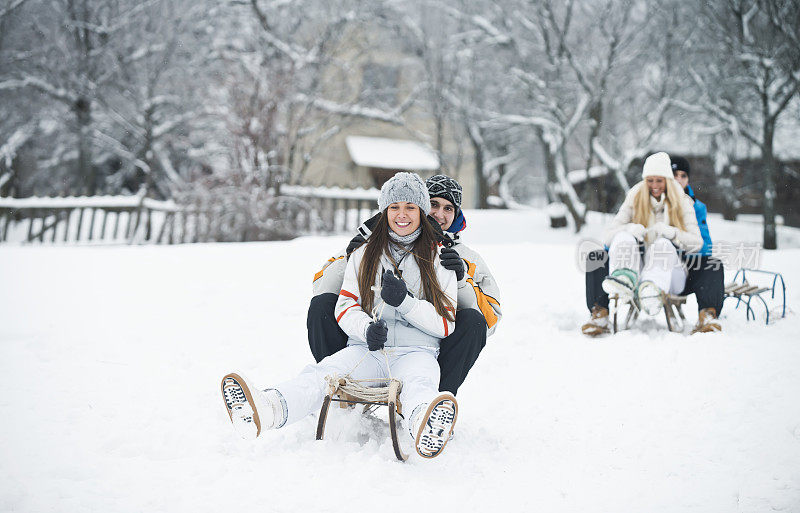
x=680, y=170
x=706, y=278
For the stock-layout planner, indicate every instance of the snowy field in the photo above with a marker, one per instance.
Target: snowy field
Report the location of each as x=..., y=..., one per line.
x=111, y=359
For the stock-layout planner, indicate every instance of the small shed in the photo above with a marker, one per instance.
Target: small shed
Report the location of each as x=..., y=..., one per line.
x=383, y=157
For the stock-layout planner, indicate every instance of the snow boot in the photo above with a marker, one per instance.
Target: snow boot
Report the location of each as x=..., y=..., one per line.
x=251, y=410
x=433, y=427
x=622, y=282
x=598, y=324
x=651, y=298
x=707, y=321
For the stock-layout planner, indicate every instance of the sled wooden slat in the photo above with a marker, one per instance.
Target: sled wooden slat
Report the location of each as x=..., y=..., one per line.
x=738, y=289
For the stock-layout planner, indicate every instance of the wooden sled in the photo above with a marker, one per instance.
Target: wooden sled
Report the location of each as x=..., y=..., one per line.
x=673, y=311
x=349, y=392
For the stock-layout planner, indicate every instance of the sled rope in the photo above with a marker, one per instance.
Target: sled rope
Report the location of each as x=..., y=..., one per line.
x=354, y=387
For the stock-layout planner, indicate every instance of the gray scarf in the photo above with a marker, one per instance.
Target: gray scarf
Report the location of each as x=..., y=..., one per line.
x=400, y=246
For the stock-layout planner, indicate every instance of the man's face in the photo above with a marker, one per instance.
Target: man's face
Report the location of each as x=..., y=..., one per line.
x=681, y=177
x=443, y=211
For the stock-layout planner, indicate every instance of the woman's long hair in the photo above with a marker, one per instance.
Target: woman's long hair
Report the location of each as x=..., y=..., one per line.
x=424, y=251
x=643, y=213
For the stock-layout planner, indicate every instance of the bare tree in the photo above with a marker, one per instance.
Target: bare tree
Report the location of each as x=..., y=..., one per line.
x=750, y=75
x=110, y=64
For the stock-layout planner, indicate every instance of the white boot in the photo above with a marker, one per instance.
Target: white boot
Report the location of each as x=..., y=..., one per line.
x=651, y=298
x=622, y=282
x=432, y=425
x=250, y=409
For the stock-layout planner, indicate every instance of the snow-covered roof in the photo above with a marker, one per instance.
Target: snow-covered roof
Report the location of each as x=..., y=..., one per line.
x=357, y=193
x=86, y=202
x=391, y=153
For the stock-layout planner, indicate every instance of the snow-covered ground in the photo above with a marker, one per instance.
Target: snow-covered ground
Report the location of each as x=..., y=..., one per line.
x=111, y=358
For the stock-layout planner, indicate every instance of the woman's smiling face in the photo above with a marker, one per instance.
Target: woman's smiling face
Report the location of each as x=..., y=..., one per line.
x=404, y=217
x=656, y=184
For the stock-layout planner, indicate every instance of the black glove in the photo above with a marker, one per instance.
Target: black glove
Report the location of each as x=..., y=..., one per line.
x=376, y=335
x=393, y=290
x=357, y=241
x=450, y=260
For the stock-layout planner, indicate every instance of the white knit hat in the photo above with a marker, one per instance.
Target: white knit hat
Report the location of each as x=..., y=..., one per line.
x=657, y=164
x=405, y=187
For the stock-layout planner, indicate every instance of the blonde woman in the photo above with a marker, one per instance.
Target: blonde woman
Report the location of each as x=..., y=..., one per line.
x=654, y=223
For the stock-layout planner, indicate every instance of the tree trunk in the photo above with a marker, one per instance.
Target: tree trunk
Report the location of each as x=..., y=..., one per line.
x=558, y=187
x=591, y=193
x=549, y=166
x=83, y=112
x=480, y=180
x=770, y=236
x=729, y=206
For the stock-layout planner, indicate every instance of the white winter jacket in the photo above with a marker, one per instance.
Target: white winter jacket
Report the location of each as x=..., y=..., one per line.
x=688, y=240
x=413, y=323
x=478, y=289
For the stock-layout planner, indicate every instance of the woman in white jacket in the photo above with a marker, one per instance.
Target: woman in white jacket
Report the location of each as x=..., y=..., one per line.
x=658, y=218
x=397, y=302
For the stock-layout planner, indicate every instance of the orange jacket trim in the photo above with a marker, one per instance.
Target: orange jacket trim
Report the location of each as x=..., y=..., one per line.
x=471, y=267
x=321, y=272
x=348, y=294
x=345, y=310
x=484, y=301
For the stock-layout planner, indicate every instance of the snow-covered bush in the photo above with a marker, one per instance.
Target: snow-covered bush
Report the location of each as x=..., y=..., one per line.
x=230, y=212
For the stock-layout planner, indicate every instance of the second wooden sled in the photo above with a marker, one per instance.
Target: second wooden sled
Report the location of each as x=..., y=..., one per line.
x=350, y=392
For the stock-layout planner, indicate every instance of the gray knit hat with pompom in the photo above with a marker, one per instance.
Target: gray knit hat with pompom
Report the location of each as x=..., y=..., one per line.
x=405, y=187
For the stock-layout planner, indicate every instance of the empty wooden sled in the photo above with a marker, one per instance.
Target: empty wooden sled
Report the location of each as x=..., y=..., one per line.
x=744, y=292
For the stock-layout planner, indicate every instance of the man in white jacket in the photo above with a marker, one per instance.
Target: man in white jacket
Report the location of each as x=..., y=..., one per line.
x=478, y=310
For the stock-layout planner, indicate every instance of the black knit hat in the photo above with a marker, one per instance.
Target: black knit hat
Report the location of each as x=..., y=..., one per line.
x=441, y=186
x=680, y=164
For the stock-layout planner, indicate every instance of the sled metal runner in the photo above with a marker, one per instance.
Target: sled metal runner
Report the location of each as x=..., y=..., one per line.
x=349, y=393
x=672, y=306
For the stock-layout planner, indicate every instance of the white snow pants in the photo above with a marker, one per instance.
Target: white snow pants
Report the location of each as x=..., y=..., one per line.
x=661, y=265
x=416, y=367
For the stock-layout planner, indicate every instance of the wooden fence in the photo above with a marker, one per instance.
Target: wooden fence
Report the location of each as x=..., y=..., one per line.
x=334, y=210
x=138, y=219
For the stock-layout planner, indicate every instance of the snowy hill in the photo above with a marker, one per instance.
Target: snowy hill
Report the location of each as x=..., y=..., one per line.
x=111, y=359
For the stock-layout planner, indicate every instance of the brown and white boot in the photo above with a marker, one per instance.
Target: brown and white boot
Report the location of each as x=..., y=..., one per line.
x=598, y=324
x=251, y=410
x=432, y=427
x=707, y=322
